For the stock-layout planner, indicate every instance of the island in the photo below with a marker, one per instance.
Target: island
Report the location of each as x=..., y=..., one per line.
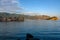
x=10, y=17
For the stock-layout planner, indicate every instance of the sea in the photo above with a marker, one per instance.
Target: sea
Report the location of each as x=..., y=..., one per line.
x=41, y=29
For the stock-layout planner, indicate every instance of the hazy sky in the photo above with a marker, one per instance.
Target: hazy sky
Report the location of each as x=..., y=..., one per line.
x=44, y=7
x=9, y=5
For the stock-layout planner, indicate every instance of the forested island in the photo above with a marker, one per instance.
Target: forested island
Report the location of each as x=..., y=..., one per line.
x=8, y=17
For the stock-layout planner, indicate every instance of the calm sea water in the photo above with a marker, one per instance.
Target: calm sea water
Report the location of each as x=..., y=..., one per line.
x=42, y=29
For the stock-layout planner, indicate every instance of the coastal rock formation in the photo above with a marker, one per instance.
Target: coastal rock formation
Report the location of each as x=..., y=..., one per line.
x=42, y=17
x=54, y=18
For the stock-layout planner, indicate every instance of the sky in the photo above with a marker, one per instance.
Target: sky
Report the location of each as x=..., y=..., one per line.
x=32, y=7
x=10, y=6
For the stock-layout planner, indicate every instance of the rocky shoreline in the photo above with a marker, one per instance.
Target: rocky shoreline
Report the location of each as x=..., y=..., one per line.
x=11, y=19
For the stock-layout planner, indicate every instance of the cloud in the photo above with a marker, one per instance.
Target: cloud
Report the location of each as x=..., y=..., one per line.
x=31, y=13
x=10, y=6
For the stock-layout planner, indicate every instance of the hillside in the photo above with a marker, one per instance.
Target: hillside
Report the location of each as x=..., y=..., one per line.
x=36, y=17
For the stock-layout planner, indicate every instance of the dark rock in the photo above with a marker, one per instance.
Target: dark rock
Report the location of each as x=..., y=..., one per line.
x=30, y=37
